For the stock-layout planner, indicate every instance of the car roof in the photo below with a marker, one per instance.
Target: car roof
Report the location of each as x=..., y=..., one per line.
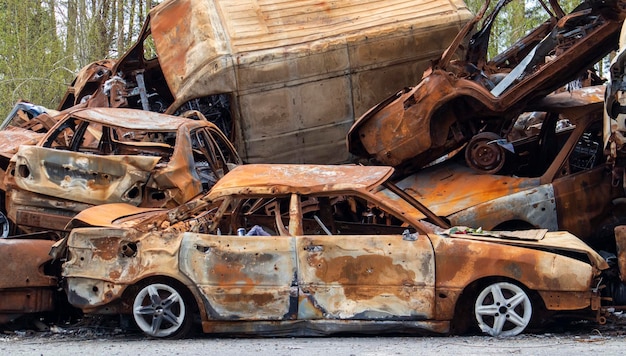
x=299, y=178
x=134, y=119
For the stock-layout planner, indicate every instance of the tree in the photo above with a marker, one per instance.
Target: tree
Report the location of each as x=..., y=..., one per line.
x=34, y=63
x=515, y=20
x=43, y=43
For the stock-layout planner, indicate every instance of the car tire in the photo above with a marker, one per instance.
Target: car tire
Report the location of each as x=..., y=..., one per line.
x=503, y=309
x=5, y=226
x=483, y=155
x=161, y=311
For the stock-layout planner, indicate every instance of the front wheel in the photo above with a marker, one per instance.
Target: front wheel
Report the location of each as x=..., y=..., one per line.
x=160, y=311
x=503, y=309
x=5, y=226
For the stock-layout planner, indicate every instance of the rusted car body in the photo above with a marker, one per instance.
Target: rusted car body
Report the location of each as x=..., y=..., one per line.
x=284, y=80
x=29, y=282
x=103, y=155
x=558, y=178
x=458, y=99
x=315, y=250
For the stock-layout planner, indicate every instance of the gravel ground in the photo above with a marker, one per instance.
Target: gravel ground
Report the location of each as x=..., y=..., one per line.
x=89, y=340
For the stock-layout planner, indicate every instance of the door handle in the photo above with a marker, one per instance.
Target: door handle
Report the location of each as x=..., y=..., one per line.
x=203, y=249
x=314, y=248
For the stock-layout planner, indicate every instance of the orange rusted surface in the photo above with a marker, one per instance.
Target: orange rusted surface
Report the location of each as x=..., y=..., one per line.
x=456, y=100
x=331, y=251
x=26, y=288
x=87, y=81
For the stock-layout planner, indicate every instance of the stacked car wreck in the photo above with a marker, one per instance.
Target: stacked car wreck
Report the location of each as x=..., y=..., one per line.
x=311, y=249
x=236, y=64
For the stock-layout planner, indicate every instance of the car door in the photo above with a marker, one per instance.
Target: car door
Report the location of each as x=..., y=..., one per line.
x=355, y=263
x=583, y=186
x=243, y=277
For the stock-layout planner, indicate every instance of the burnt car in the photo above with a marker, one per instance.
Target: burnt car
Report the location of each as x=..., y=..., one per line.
x=558, y=178
x=95, y=156
x=465, y=97
x=316, y=250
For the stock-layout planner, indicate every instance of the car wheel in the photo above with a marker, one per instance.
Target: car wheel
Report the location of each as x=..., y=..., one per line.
x=484, y=155
x=5, y=226
x=503, y=309
x=160, y=311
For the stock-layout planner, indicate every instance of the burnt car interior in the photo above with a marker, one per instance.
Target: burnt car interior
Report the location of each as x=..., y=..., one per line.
x=534, y=154
x=316, y=215
x=543, y=50
x=140, y=84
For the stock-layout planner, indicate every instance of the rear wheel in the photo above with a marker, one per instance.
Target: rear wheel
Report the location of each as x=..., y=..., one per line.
x=160, y=311
x=503, y=309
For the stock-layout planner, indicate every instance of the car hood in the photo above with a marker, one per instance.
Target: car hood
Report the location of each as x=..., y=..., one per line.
x=561, y=242
x=109, y=215
x=450, y=187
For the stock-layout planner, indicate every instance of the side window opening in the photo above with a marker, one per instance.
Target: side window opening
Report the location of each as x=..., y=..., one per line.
x=212, y=160
x=62, y=137
x=587, y=153
x=259, y=216
x=348, y=215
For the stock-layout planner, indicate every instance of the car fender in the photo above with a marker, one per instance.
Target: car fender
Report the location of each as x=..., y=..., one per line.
x=536, y=206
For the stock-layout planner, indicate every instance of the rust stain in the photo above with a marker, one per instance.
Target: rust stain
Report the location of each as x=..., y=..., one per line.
x=259, y=299
x=366, y=270
x=106, y=247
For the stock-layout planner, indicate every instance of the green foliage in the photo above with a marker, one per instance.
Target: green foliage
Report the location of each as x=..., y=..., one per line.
x=43, y=43
x=515, y=20
x=34, y=65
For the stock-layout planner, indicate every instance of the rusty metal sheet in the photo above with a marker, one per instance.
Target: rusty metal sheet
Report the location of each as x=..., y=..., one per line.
x=25, y=288
x=459, y=261
x=111, y=259
x=132, y=119
x=325, y=327
x=11, y=139
x=15, y=252
x=449, y=188
x=561, y=240
x=287, y=178
x=243, y=278
x=82, y=177
x=365, y=277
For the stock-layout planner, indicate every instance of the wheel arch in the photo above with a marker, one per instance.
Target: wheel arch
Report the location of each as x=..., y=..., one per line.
x=462, y=321
x=191, y=296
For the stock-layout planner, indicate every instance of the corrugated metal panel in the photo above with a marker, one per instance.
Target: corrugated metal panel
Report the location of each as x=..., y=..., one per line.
x=262, y=24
